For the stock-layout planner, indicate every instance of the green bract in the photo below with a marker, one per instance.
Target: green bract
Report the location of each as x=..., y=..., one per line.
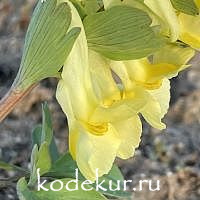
x=121, y=33
x=186, y=6
x=47, y=43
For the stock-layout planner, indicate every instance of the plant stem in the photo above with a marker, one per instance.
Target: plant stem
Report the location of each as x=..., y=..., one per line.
x=10, y=100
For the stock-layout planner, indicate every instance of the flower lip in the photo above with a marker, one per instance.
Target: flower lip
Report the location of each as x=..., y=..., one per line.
x=96, y=129
x=150, y=86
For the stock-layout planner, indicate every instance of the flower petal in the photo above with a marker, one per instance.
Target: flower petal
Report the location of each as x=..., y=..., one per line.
x=152, y=114
x=129, y=132
x=120, y=69
x=190, y=33
x=157, y=105
x=141, y=72
x=131, y=104
x=96, y=152
x=175, y=55
x=198, y=3
x=76, y=74
x=167, y=62
x=162, y=95
x=165, y=11
x=104, y=84
x=62, y=95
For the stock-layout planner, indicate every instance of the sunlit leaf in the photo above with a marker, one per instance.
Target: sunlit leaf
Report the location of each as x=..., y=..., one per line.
x=48, y=43
x=186, y=6
x=44, y=159
x=44, y=133
x=64, y=167
x=121, y=33
x=47, y=128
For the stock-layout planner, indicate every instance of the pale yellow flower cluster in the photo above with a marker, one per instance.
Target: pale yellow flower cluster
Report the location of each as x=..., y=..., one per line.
x=103, y=98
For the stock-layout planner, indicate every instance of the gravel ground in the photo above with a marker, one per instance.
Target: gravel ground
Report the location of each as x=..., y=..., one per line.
x=172, y=156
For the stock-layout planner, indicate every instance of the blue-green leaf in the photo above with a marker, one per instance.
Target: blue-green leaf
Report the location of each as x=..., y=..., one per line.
x=36, y=135
x=40, y=159
x=23, y=191
x=47, y=128
x=48, y=43
x=64, y=167
x=186, y=6
x=44, y=159
x=44, y=133
x=122, y=33
x=34, y=160
x=91, y=6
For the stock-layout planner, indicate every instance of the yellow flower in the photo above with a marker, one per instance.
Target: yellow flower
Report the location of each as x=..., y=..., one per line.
x=102, y=107
x=168, y=19
x=153, y=78
x=197, y=3
x=190, y=32
x=101, y=124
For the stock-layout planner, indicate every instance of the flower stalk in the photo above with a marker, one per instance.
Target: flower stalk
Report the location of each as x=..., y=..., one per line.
x=11, y=99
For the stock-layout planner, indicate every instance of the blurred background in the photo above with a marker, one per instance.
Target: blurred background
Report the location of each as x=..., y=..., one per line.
x=171, y=156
